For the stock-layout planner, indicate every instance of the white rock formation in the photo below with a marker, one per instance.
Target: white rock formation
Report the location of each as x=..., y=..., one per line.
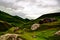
x=6, y=36
x=57, y=33
x=35, y=26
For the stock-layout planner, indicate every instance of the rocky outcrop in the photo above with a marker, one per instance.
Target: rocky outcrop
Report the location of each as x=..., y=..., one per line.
x=10, y=37
x=4, y=26
x=35, y=26
x=47, y=20
x=57, y=33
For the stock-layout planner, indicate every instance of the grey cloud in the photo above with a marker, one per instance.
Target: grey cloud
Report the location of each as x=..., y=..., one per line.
x=19, y=0
x=15, y=7
x=47, y=5
x=58, y=2
x=9, y=5
x=5, y=4
x=32, y=1
x=12, y=4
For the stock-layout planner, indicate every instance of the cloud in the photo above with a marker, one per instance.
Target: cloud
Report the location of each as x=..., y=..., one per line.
x=29, y=8
x=58, y=2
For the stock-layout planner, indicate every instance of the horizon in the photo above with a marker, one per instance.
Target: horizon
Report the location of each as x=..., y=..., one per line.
x=31, y=19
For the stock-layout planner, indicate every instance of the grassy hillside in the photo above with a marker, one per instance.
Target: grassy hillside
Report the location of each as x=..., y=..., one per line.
x=4, y=26
x=14, y=20
x=50, y=15
x=46, y=30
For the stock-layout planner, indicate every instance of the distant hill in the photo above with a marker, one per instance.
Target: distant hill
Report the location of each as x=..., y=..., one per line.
x=57, y=14
x=19, y=18
x=14, y=20
x=50, y=15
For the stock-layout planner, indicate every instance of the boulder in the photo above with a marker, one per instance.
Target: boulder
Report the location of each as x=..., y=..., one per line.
x=10, y=37
x=4, y=26
x=35, y=26
x=57, y=33
x=47, y=20
x=53, y=19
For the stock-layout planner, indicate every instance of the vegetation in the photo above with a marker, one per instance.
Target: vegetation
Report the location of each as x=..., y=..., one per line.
x=14, y=20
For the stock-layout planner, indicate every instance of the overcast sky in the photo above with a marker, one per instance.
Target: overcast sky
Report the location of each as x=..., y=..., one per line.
x=31, y=9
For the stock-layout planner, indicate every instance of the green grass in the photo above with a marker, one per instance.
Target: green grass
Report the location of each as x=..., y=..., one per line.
x=45, y=31
x=41, y=35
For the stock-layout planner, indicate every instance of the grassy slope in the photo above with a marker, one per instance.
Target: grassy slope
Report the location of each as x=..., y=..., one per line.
x=41, y=34
x=51, y=15
x=44, y=32
x=14, y=20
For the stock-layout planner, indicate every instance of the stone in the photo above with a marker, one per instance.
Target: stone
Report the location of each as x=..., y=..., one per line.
x=8, y=37
x=47, y=20
x=4, y=26
x=11, y=37
x=35, y=26
x=57, y=33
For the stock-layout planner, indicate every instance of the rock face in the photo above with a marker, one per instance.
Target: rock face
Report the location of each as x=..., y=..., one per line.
x=47, y=20
x=57, y=33
x=35, y=26
x=4, y=26
x=10, y=37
